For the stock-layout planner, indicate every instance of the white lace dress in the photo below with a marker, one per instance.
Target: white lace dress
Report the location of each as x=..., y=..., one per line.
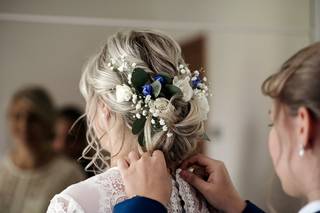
x=102, y=192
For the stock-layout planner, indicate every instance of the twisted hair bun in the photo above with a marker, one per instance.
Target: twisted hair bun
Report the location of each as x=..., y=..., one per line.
x=155, y=53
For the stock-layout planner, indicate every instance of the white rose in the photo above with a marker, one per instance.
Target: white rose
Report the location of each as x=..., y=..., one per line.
x=202, y=102
x=185, y=87
x=123, y=93
x=158, y=105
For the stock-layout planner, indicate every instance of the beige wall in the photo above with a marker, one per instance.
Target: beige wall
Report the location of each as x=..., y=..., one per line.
x=247, y=40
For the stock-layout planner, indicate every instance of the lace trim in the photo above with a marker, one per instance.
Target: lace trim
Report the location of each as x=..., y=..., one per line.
x=63, y=203
x=189, y=196
x=174, y=206
x=111, y=190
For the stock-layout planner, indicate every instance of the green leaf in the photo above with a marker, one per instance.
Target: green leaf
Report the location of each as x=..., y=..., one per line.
x=205, y=137
x=172, y=90
x=139, y=78
x=156, y=88
x=166, y=77
x=141, y=140
x=162, y=95
x=138, y=125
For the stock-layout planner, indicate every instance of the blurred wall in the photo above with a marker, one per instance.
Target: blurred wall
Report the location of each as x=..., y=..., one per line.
x=315, y=19
x=47, y=42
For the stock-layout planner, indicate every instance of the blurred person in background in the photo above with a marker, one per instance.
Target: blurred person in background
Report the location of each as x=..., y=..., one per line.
x=70, y=135
x=31, y=173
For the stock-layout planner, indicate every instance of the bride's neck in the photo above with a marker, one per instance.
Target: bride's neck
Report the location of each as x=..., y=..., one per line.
x=121, y=145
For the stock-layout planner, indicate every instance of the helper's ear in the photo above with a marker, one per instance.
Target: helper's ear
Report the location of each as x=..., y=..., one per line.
x=305, y=128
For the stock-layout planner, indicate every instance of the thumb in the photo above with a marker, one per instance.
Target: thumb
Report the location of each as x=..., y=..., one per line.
x=194, y=180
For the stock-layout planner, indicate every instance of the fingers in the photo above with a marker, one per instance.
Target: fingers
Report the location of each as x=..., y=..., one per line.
x=158, y=154
x=145, y=157
x=200, y=160
x=122, y=164
x=194, y=180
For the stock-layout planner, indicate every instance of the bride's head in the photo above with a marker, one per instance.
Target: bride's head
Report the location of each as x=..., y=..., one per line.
x=141, y=95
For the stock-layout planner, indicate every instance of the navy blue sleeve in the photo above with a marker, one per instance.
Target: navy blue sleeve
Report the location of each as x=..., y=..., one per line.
x=139, y=204
x=251, y=208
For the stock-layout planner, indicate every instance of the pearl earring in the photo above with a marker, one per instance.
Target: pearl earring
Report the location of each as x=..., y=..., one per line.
x=301, y=151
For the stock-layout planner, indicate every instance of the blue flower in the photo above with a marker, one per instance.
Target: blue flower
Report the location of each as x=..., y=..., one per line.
x=195, y=81
x=161, y=79
x=147, y=90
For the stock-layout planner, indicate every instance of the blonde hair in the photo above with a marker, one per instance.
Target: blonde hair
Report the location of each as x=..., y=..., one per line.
x=154, y=52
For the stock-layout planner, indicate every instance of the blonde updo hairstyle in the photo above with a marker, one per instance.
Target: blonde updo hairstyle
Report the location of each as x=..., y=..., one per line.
x=154, y=52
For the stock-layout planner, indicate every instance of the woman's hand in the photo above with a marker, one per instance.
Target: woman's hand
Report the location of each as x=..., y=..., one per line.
x=218, y=189
x=146, y=176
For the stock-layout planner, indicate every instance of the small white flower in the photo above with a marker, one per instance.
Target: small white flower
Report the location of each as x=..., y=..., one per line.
x=205, y=79
x=204, y=108
x=148, y=98
x=153, y=121
x=138, y=106
x=109, y=64
x=196, y=73
x=134, y=98
x=129, y=78
x=165, y=128
x=144, y=112
x=183, y=71
x=169, y=134
x=184, y=86
x=123, y=93
x=162, y=122
x=181, y=66
x=133, y=65
x=122, y=67
x=138, y=115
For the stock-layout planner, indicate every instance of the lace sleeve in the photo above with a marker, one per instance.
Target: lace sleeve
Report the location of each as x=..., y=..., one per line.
x=63, y=203
x=98, y=194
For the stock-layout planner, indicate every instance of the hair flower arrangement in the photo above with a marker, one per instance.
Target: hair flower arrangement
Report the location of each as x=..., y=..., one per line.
x=150, y=94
